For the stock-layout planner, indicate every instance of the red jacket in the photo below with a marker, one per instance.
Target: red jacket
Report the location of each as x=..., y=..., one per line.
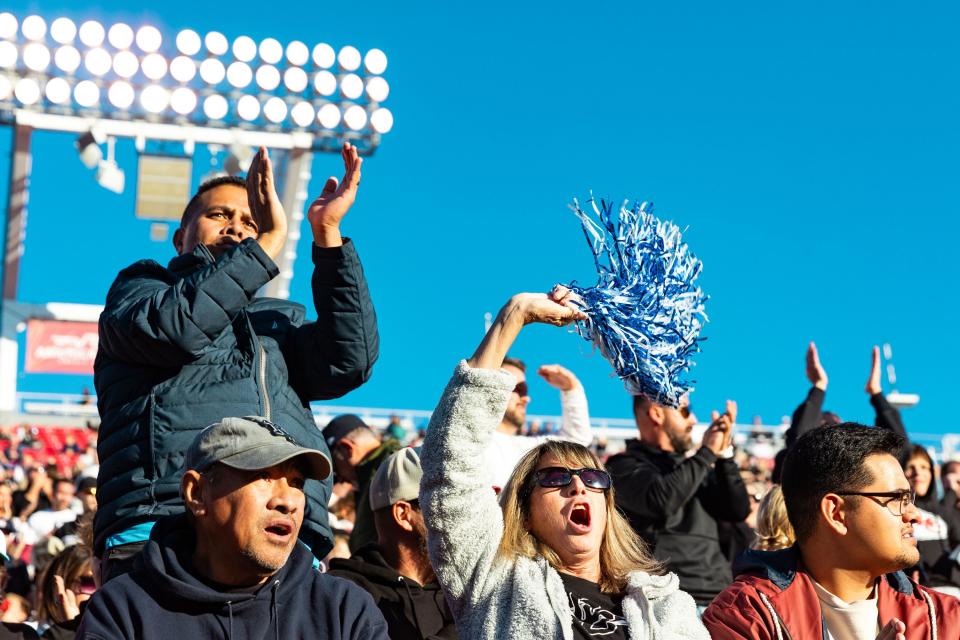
x=773, y=598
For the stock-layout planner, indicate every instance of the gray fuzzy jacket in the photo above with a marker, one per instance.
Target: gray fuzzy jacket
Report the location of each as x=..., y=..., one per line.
x=491, y=597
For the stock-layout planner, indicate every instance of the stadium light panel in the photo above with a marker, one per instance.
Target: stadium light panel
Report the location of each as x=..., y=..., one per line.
x=133, y=74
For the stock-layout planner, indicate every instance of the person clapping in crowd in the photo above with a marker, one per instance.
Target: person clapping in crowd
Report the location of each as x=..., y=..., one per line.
x=396, y=569
x=185, y=345
x=555, y=559
x=852, y=510
x=358, y=451
x=673, y=501
x=231, y=566
x=938, y=530
x=507, y=444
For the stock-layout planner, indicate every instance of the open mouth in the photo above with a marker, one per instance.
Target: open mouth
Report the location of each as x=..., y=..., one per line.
x=580, y=514
x=279, y=528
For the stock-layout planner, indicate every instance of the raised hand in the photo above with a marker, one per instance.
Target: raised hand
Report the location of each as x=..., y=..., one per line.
x=64, y=600
x=719, y=435
x=265, y=204
x=558, y=377
x=893, y=630
x=873, y=382
x=815, y=371
x=326, y=212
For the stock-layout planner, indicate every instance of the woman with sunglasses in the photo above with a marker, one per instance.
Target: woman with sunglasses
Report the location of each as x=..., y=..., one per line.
x=65, y=585
x=555, y=559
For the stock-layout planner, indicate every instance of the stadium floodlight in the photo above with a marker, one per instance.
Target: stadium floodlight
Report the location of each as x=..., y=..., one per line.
x=92, y=33
x=349, y=58
x=285, y=94
x=63, y=30
x=109, y=175
x=88, y=146
x=375, y=61
x=120, y=36
x=188, y=42
x=8, y=26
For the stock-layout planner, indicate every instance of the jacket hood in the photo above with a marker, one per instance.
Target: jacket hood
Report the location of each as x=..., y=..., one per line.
x=780, y=567
x=368, y=562
x=165, y=561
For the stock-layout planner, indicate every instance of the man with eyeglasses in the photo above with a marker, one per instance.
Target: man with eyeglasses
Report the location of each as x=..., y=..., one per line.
x=673, y=500
x=507, y=445
x=852, y=510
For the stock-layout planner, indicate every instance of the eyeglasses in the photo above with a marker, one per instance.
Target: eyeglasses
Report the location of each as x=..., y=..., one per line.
x=521, y=389
x=899, y=499
x=553, y=477
x=685, y=410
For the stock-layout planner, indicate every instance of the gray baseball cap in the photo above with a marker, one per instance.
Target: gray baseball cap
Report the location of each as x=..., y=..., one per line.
x=251, y=443
x=398, y=478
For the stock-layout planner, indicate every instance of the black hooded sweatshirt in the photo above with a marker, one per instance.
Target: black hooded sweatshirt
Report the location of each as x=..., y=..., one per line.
x=411, y=610
x=162, y=598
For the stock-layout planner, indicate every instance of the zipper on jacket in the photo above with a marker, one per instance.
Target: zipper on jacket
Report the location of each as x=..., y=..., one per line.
x=263, y=380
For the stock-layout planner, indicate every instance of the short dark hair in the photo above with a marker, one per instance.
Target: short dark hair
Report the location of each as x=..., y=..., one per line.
x=212, y=183
x=515, y=362
x=828, y=460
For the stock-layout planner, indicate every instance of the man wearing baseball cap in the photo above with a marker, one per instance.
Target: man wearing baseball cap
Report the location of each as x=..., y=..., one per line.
x=358, y=451
x=396, y=570
x=231, y=565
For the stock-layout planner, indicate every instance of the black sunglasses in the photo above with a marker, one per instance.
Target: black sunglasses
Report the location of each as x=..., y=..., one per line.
x=685, y=410
x=553, y=477
x=521, y=389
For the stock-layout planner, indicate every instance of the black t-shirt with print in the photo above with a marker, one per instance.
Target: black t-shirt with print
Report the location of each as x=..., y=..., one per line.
x=595, y=614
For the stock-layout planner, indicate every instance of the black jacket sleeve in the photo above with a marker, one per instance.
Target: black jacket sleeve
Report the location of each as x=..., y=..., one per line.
x=152, y=316
x=643, y=492
x=807, y=416
x=335, y=354
x=888, y=417
x=724, y=495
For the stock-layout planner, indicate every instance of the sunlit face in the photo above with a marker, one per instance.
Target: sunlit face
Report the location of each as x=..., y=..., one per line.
x=223, y=220
x=678, y=425
x=89, y=499
x=254, y=516
x=571, y=520
x=63, y=493
x=878, y=540
x=919, y=474
x=516, y=414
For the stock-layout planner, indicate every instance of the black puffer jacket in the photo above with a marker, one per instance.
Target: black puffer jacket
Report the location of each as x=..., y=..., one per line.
x=674, y=503
x=163, y=598
x=185, y=346
x=412, y=610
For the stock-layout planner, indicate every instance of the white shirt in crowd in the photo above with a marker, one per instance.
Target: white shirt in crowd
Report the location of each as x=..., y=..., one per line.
x=43, y=523
x=505, y=451
x=849, y=620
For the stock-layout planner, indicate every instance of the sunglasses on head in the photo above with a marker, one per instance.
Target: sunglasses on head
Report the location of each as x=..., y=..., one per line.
x=553, y=477
x=521, y=389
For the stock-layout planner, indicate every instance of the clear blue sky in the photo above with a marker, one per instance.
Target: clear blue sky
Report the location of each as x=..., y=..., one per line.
x=812, y=151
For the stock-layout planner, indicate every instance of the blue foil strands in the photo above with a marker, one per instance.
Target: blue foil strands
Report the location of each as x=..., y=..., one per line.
x=645, y=312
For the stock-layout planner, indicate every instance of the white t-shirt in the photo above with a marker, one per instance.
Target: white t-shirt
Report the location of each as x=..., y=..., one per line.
x=849, y=620
x=504, y=451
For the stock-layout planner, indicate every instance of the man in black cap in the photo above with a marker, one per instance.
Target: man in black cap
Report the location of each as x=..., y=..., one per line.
x=231, y=565
x=358, y=451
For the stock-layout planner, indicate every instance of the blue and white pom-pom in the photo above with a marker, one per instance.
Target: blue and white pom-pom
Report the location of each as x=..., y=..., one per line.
x=645, y=313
